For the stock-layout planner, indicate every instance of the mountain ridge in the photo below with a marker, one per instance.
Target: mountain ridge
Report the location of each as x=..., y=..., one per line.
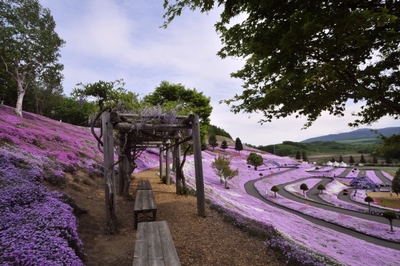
x=362, y=133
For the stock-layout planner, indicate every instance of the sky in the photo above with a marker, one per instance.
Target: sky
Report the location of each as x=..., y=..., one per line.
x=122, y=39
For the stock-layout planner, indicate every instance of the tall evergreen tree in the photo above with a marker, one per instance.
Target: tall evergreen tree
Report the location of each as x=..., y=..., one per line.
x=238, y=145
x=362, y=159
x=304, y=156
x=351, y=160
x=212, y=140
x=298, y=155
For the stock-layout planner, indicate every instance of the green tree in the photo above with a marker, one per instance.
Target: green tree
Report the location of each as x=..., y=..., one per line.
x=255, y=160
x=396, y=183
x=369, y=200
x=374, y=160
x=388, y=159
x=321, y=188
x=238, y=145
x=304, y=156
x=333, y=159
x=29, y=45
x=73, y=111
x=185, y=101
x=102, y=92
x=297, y=53
x=298, y=155
x=212, y=140
x=224, y=145
x=362, y=159
x=390, y=215
x=304, y=187
x=221, y=166
x=351, y=160
x=275, y=189
x=340, y=159
x=218, y=131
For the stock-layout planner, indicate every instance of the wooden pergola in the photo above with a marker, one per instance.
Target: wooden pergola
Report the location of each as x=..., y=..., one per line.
x=147, y=132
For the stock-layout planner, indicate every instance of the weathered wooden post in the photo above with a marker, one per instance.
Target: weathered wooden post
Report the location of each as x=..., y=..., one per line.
x=177, y=163
x=109, y=175
x=121, y=165
x=167, y=162
x=161, y=161
x=198, y=165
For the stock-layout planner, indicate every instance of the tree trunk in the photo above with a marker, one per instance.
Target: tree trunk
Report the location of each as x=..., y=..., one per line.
x=20, y=99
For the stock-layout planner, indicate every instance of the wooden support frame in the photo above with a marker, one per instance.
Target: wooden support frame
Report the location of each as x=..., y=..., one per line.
x=157, y=135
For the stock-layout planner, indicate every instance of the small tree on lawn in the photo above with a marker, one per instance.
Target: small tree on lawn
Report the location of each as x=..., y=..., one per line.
x=369, y=200
x=298, y=155
x=304, y=187
x=304, y=156
x=351, y=160
x=321, y=188
x=218, y=165
x=362, y=159
x=229, y=174
x=221, y=166
x=275, y=189
x=340, y=159
x=224, y=145
x=255, y=160
x=374, y=160
x=212, y=140
x=390, y=215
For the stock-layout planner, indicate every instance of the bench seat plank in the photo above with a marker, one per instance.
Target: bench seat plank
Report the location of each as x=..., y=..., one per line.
x=144, y=202
x=154, y=245
x=143, y=184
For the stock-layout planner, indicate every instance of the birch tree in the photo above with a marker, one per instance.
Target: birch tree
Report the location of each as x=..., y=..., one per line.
x=29, y=44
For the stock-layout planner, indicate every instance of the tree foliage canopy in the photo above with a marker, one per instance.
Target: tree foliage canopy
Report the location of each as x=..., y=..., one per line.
x=306, y=57
x=184, y=101
x=255, y=160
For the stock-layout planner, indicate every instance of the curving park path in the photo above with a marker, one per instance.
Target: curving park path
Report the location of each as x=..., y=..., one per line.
x=319, y=203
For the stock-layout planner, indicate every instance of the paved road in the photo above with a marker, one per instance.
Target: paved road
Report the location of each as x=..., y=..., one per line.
x=250, y=189
x=313, y=194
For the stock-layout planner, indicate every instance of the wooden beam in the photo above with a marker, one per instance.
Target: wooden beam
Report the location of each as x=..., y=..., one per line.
x=163, y=127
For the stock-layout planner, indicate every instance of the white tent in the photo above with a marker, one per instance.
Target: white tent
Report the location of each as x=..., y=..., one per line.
x=343, y=164
x=329, y=163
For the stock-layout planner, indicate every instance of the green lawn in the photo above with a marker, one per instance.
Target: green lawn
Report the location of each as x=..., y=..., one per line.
x=392, y=202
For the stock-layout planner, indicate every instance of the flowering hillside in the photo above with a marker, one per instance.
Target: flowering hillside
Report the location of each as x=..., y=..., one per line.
x=38, y=226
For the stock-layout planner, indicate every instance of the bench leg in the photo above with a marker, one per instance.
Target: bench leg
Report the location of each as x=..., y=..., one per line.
x=135, y=220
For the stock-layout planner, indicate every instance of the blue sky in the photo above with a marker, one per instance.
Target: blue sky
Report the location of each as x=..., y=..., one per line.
x=122, y=39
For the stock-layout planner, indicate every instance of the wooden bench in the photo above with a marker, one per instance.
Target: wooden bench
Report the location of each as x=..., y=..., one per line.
x=143, y=184
x=154, y=245
x=144, y=203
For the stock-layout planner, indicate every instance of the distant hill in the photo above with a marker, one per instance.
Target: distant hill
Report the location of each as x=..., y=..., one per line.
x=359, y=134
